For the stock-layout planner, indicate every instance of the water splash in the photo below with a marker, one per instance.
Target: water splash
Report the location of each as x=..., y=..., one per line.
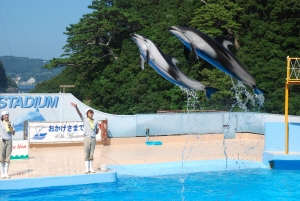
x=192, y=99
x=193, y=103
x=245, y=100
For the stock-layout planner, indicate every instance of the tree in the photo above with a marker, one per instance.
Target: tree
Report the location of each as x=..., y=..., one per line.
x=218, y=18
x=3, y=81
x=103, y=61
x=6, y=83
x=270, y=34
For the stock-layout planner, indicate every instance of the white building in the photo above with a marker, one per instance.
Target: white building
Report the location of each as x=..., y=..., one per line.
x=31, y=81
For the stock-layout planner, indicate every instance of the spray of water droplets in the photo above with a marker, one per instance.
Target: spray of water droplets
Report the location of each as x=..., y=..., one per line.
x=192, y=102
x=245, y=100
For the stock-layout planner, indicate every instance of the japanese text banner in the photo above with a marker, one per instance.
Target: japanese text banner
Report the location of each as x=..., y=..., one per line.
x=41, y=132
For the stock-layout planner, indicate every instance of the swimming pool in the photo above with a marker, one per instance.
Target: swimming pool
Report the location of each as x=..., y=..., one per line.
x=247, y=184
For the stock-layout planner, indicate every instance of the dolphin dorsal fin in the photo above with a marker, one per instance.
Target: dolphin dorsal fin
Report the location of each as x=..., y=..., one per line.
x=142, y=62
x=173, y=59
x=224, y=41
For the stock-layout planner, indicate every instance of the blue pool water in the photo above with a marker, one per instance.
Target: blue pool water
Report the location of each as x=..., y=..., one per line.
x=251, y=184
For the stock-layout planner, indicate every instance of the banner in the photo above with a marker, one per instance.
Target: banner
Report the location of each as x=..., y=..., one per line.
x=45, y=132
x=19, y=149
x=103, y=125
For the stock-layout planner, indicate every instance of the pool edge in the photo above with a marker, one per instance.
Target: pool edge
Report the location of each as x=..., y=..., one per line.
x=64, y=180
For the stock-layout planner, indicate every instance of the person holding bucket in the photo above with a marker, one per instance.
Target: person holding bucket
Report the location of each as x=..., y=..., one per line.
x=90, y=131
x=6, y=132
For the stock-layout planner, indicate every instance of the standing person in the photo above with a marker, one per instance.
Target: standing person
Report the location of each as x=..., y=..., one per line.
x=6, y=132
x=90, y=132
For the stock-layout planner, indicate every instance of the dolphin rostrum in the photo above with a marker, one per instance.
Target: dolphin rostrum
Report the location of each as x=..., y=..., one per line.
x=166, y=65
x=214, y=51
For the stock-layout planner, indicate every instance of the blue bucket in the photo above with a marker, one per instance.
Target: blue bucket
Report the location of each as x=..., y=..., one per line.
x=154, y=143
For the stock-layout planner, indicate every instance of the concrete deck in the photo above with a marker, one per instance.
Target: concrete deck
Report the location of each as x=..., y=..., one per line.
x=67, y=159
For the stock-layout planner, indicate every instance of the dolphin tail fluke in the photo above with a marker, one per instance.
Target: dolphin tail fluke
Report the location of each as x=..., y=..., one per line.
x=209, y=91
x=258, y=90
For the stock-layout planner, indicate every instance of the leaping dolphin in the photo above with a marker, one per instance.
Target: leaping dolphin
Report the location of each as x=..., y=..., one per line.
x=166, y=65
x=214, y=51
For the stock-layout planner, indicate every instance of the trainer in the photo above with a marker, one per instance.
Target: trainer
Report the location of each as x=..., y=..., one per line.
x=89, y=142
x=6, y=132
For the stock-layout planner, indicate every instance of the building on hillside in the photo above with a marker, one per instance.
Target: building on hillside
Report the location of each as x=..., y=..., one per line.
x=31, y=81
x=18, y=78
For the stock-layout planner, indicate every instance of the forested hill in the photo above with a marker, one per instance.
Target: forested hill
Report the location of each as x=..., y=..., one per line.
x=103, y=61
x=26, y=68
x=6, y=83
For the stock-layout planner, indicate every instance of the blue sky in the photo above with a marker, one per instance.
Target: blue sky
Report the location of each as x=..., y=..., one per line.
x=34, y=28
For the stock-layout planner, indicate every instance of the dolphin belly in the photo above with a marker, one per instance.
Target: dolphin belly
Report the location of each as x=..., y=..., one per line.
x=165, y=74
x=166, y=65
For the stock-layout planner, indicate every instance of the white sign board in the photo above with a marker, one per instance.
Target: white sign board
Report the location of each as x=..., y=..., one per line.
x=45, y=132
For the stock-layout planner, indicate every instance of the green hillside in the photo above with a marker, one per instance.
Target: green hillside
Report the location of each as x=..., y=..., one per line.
x=27, y=67
x=7, y=85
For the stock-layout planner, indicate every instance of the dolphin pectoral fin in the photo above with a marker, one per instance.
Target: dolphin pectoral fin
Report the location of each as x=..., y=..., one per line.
x=173, y=59
x=224, y=41
x=142, y=62
x=194, y=51
x=258, y=90
x=147, y=56
x=187, y=53
x=209, y=91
